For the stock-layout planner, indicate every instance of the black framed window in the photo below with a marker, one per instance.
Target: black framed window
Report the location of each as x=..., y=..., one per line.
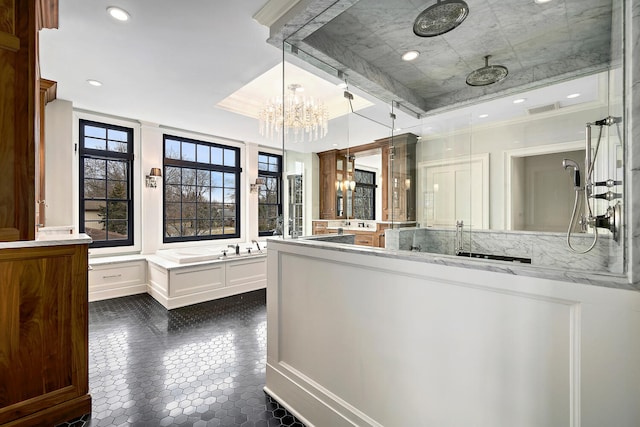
x=269, y=194
x=365, y=195
x=201, y=190
x=106, y=195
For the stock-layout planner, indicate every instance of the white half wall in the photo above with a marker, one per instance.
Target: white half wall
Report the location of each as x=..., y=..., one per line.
x=357, y=338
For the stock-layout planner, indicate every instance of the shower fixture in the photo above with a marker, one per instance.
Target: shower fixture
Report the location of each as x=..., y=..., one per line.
x=440, y=18
x=568, y=163
x=487, y=75
x=612, y=219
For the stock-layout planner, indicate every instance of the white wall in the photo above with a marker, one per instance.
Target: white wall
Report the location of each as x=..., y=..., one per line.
x=59, y=164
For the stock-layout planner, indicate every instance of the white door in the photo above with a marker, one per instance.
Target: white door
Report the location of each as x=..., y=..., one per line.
x=456, y=190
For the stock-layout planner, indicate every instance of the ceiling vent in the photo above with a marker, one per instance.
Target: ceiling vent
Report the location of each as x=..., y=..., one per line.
x=543, y=108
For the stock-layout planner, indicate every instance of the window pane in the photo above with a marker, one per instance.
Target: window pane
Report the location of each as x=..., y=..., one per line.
x=216, y=155
x=229, y=196
x=188, y=151
x=95, y=168
x=216, y=179
x=97, y=132
x=95, y=189
x=95, y=144
x=117, y=230
x=118, y=147
x=117, y=135
x=172, y=149
x=216, y=195
x=117, y=190
x=229, y=157
x=188, y=210
x=172, y=193
x=189, y=176
x=172, y=228
x=203, y=177
x=172, y=175
x=172, y=211
x=117, y=170
x=203, y=153
x=203, y=211
x=230, y=180
x=188, y=228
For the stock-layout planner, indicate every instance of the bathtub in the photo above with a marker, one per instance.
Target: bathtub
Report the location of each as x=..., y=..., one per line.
x=189, y=255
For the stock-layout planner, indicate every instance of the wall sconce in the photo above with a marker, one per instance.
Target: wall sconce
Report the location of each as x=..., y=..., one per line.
x=253, y=188
x=154, y=174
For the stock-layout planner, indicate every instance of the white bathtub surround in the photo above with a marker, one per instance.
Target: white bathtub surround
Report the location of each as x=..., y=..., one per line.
x=176, y=284
x=544, y=249
x=356, y=333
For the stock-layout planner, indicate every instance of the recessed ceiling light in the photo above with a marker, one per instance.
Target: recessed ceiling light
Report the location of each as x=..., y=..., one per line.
x=573, y=95
x=483, y=116
x=542, y=1
x=118, y=13
x=411, y=55
x=342, y=85
x=519, y=100
x=335, y=145
x=94, y=82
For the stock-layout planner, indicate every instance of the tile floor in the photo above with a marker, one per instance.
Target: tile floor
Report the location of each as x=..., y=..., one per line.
x=202, y=365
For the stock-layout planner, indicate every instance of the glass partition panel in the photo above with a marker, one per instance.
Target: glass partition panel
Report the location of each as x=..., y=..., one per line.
x=481, y=143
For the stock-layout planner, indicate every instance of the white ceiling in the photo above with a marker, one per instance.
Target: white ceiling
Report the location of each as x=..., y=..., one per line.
x=170, y=64
x=174, y=62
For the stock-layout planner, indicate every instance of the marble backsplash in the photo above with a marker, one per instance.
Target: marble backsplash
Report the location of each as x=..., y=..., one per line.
x=544, y=249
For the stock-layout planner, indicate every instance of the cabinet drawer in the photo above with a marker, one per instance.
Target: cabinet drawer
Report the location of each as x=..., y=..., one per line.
x=108, y=275
x=364, y=239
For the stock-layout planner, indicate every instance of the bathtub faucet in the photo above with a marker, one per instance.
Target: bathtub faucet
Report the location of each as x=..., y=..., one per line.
x=236, y=247
x=256, y=242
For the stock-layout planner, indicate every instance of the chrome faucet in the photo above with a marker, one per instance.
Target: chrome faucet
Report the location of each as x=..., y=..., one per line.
x=256, y=242
x=236, y=247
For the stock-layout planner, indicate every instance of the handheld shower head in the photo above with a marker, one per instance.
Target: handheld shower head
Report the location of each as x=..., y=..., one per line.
x=568, y=163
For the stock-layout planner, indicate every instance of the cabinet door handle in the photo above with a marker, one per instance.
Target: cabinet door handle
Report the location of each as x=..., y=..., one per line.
x=112, y=276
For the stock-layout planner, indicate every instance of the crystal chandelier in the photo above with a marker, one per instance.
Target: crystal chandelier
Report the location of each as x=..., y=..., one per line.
x=304, y=118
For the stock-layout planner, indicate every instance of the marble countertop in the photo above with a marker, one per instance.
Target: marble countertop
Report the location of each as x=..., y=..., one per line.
x=576, y=276
x=48, y=240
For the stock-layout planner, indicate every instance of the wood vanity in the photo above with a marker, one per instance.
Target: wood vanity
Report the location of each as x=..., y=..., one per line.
x=44, y=377
x=365, y=236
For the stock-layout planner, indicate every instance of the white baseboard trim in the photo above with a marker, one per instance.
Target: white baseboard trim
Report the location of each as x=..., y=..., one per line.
x=123, y=291
x=176, y=302
x=320, y=408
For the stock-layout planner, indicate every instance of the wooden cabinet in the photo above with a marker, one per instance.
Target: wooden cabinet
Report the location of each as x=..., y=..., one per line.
x=399, y=178
x=398, y=171
x=44, y=376
x=364, y=236
x=319, y=227
x=328, y=161
x=20, y=22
